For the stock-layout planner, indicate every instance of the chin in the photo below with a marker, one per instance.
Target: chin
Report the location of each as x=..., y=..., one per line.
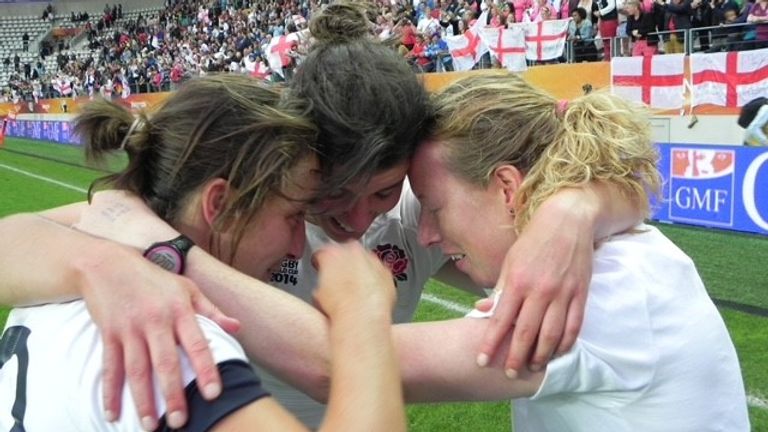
x=483, y=280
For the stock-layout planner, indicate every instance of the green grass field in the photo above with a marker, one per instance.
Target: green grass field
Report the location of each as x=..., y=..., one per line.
x=733, y=267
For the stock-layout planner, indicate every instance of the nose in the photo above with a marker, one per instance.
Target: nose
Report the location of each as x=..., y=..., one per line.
x=298, y=240
x=428, y=234
x=361, y=215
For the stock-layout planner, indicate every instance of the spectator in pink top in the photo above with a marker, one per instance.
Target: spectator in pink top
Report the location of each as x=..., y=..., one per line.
x=758, y=14
x=520, y=7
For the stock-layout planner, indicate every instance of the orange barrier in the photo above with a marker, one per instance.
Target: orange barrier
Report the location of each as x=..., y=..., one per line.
x=565, y=81
x=72, y=106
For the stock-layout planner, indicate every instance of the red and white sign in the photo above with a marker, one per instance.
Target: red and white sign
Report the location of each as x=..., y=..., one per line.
x=701, y=164
x=277, y=51
x=64, y=87
x=545, y=40
x=729, y=79
x=656, y=81
x=466, y=49
x=507, y=45
x=261, y=71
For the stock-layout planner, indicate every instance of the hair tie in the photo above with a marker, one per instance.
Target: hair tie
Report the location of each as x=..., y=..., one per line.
x=562, y=105
x=131, y=129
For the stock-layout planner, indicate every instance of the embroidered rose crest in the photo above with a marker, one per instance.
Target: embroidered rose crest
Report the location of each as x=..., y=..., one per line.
x=395, y=259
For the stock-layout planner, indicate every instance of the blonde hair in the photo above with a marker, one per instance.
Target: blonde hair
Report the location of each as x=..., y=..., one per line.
x=489, y=120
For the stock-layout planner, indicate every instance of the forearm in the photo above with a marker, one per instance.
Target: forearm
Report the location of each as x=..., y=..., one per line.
x=366, y=393
x=616, y=212
x=603, y=206
x=44, y=262
x=437, y=362
x=270, y=318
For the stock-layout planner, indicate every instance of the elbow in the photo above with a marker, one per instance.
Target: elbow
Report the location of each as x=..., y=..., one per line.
x=314, y=381
x=318, y=386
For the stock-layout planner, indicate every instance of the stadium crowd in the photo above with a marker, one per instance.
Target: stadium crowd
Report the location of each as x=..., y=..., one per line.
x=157, y=51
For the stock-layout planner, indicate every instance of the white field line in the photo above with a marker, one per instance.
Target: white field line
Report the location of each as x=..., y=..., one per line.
x=452, y=306
x=43, y=178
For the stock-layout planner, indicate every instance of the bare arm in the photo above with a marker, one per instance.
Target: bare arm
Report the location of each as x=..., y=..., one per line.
x=24, y=280
x=69, y=264
x=438, y=364
x=357, y=294
x=274, y=318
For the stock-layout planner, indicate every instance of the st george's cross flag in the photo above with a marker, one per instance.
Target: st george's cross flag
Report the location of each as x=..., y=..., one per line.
x=729, y=79
x=506, y=45
x=467, y=49
x=656, y=81
x=545, y=40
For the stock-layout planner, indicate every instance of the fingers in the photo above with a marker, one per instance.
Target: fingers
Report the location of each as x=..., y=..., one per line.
x=138, y=373
x=113, y=375
x=166, y=367
x=194, y=343
x=498, y=326
x=484, y=304
x=524, y=336
x=574, y=320
x=550, y=335
x=206, y=308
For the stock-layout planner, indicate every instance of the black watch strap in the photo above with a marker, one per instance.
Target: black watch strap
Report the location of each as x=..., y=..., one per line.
x=170, y=255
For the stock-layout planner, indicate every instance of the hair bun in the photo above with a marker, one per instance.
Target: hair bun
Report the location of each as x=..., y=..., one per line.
x=340, y=22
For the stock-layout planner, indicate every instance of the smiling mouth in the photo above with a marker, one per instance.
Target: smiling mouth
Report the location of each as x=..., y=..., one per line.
x=341, y=226
x=456, y=257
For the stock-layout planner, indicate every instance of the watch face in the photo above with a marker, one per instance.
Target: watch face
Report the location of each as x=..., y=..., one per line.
x=166, y=257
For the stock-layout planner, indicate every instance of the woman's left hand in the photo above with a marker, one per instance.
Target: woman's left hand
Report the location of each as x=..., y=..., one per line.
x=543, y=284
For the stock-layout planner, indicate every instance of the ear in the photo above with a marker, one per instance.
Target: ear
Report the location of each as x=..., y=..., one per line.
x=508, y=179
x=212, y=200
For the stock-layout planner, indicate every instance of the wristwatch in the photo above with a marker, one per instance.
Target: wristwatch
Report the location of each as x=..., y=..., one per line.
x=170, y=255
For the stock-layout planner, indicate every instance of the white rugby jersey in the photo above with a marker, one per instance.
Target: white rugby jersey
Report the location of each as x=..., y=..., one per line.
x=50, y=375
x=393, y=237
x=653, y=353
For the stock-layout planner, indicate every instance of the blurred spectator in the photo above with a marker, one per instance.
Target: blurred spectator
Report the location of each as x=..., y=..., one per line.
x=754, y=119
x=641, y=27
x=535, y=13
x=608, y=23
x=702, y=17
x=580, y=33
x=677, y=19
x=758, y=14
x=727, y=38
x=419, y=55
x=438, y=52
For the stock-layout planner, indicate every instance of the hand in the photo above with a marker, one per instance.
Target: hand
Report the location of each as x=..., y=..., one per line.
x=143, y=313
x=351, y=278
x=543, y=285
